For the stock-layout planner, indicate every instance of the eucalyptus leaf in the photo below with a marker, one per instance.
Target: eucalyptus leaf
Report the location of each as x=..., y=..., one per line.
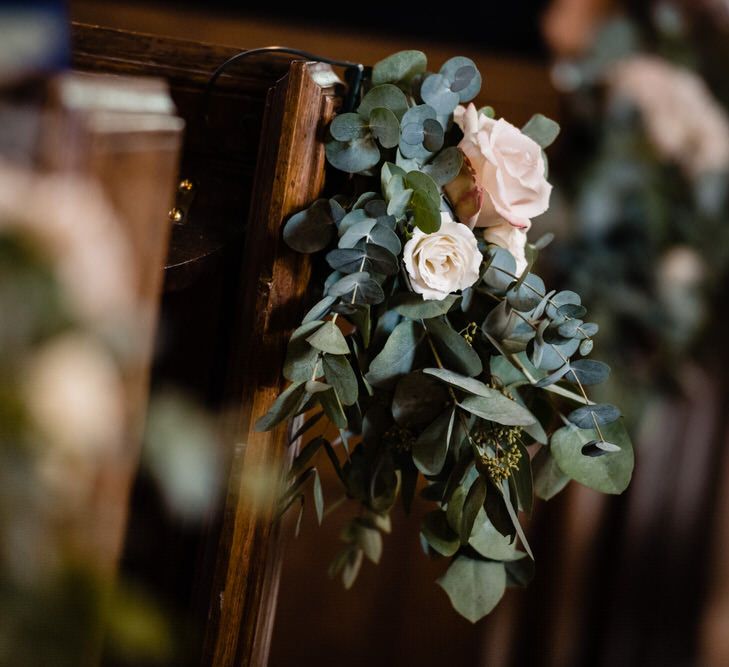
x=587, y=415
x=549, y=479
x=339, y=374
x=445, y=166
x=329, y=338
x=412, y=305
x=332, y=407
x=319, y=310
x=467, y=384
x=439, y=535
x=497, y=408
x=608, y=474
x=419, y=181
x=431, y=447
x=437, y=93
x=318, y=498
x=453, y=349
x=463, y=77
x=284, y=407
x=588, y=372
x=416, y=131
x=472, y=505
x=358, y=288
x=348, y=126
x=490, y=543
x=313, y=228
x=365, y=257
x=474, y=587
x=426, y=213
x=542, y=130
x=398, y=356
x=353, y=156
x=385, y=126
x=302, y=360
x=400, y=66
x=384, y=96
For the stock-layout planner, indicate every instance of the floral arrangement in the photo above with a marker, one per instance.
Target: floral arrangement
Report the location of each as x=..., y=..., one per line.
x=647, y=188
x=447, y=366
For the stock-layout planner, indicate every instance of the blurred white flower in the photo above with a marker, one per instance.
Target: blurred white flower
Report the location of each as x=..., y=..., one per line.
x=75, y=397
x=681, y=117
x=71, y=221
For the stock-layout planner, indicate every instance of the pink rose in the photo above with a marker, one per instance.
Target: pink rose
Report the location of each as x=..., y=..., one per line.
x=510, y=238
x=505, y=164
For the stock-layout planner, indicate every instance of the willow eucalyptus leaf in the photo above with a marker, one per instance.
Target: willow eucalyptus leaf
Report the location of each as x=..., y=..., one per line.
x=329, y=338
x=472, y=505
x=462, y=382
x=339, y=374
x=497, y=408
x=332, y=406
x=439, y=535
x=302, y=361
x=398, y=356
x=452, y=348
x=417, y=398
x=431, y=447
x=474, y=587
x=284, y=407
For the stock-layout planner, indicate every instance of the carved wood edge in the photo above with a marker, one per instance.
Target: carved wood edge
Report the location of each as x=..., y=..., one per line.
x=289, y=175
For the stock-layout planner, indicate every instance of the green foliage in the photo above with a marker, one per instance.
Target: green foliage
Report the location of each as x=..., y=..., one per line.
x=448, y=388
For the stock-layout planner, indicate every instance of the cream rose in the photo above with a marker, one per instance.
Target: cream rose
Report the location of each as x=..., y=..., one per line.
x=510, y=238
x=506, y=165
x=444, y=261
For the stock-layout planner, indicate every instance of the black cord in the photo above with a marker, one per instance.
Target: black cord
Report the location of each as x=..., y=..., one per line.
x=354, y=72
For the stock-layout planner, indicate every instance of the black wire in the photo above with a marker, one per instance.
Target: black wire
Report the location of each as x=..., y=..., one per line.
x=354, y=75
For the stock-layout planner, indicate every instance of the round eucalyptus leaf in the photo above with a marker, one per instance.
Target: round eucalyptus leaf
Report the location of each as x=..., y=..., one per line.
x=387, y=96
x=463, y=77
x=572, y=310
x=474, y=587
x=607, y=474
x=587, y=415
x=352, y=218
x=385, y=126
x=348, y=126
x=586, y=347
x=445, y=166
x=552, y=355
x=569, y=329
x=501, y=271
x=436, y=92
x=401, y=66
x=433, y=135
x=426, y=214
x=560, y=299
x=313, y=228
x=353, y=156
x=541, y=129
x=415, y=131
x=589, y=328
x=462, y=73
x=588, y=372
x=417, y=180
x=319, y=309
x=371, y=231
x=365, y=257
x=527, y=295
x=376, y=208
x=358, y=288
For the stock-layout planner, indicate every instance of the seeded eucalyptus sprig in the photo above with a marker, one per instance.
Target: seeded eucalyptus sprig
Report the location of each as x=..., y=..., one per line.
x=481, y=391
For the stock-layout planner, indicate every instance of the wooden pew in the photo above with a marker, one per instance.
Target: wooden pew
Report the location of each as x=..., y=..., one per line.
x=232, y=293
